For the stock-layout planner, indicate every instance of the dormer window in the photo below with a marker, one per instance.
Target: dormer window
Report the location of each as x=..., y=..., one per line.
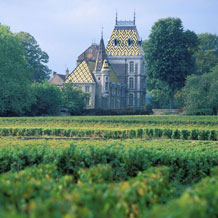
x=116, y=41
x=130, y=41
x=140, y=42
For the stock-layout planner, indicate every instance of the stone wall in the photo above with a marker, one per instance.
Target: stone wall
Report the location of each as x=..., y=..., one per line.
x=165, y=111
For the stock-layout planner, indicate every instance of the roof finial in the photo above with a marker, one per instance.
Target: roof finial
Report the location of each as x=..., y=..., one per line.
x=116, y=18
x=134, y=17
x=102, y=32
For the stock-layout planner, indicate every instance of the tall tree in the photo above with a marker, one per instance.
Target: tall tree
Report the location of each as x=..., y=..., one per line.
x=48, y=99
x=74, y=98
x=36, y=58
x=201, y=93
x=207, y=54
x=169, y=54
x=15, y=94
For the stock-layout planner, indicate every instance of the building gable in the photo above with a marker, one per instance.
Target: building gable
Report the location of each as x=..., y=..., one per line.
x=124, y=40
x=82, y=74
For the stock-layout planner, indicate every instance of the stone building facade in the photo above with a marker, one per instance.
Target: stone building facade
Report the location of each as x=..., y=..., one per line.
x=114, y=75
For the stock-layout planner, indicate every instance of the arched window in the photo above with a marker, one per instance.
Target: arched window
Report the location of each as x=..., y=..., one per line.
x=130, y=41
x=116, y=42
x=131, y=66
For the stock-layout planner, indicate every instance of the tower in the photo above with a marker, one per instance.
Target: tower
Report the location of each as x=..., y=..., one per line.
x=101, y=69
x=125, y=55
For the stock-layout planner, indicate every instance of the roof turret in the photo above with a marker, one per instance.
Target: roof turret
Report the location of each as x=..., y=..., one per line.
x=101, y=56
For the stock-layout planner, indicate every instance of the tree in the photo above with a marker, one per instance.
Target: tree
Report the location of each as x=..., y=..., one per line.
x=201, y=93
x=35, y=57
x=207, y=54
x=15, y=93
x=169, y=54
x=73, y=98
x=48, y=99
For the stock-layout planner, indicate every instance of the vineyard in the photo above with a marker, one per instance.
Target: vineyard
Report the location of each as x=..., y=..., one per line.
x=121, y=166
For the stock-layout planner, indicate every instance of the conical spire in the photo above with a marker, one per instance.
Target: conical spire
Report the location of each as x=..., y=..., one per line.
x=101, y=56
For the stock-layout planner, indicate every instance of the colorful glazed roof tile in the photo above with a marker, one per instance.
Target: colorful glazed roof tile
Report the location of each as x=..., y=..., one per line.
x=124, y=40
x=105, y=66
x=82, y=74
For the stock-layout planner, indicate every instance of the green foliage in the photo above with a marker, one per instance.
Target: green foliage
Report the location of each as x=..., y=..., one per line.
x=73, y=98
x=199, y=201
x=48, y=99
x=200, y=93
x=16, y=96
x=207, y=54
x=188, y=161
x=36, y=58
x=110, y=178
x=61, y=197
x=97, y=174
x=169, y=55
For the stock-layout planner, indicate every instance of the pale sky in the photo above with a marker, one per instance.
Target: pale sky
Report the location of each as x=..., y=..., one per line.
x=65, y=28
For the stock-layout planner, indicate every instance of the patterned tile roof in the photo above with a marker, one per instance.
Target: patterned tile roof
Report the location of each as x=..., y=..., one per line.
x=122, y=34
x=106, y=67
x=82, y=74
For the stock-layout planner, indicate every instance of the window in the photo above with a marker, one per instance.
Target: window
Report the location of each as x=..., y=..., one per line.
x=106, y=78
x=117, y=103
x=131, y=83
x=99, y=78
x=136, y=68
x=87, y=89
x=118, y=92
x=113, y=92
x=140, y=42
x=87, y=101
x=123, y=92
x=106, y=86
x=116, y=41
x=130, y=99
x=130, y=42
x=112, y=103
x=131, y=67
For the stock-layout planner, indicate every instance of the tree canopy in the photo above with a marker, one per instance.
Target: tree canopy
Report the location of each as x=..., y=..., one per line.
x=48, y=99
x=15, y=94
x=169, y=55
x=35, y=57
x=73, y=98
x=201, y=93
x=207, y=53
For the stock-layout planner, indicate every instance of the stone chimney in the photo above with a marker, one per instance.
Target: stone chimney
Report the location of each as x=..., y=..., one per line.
x=54, y=73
